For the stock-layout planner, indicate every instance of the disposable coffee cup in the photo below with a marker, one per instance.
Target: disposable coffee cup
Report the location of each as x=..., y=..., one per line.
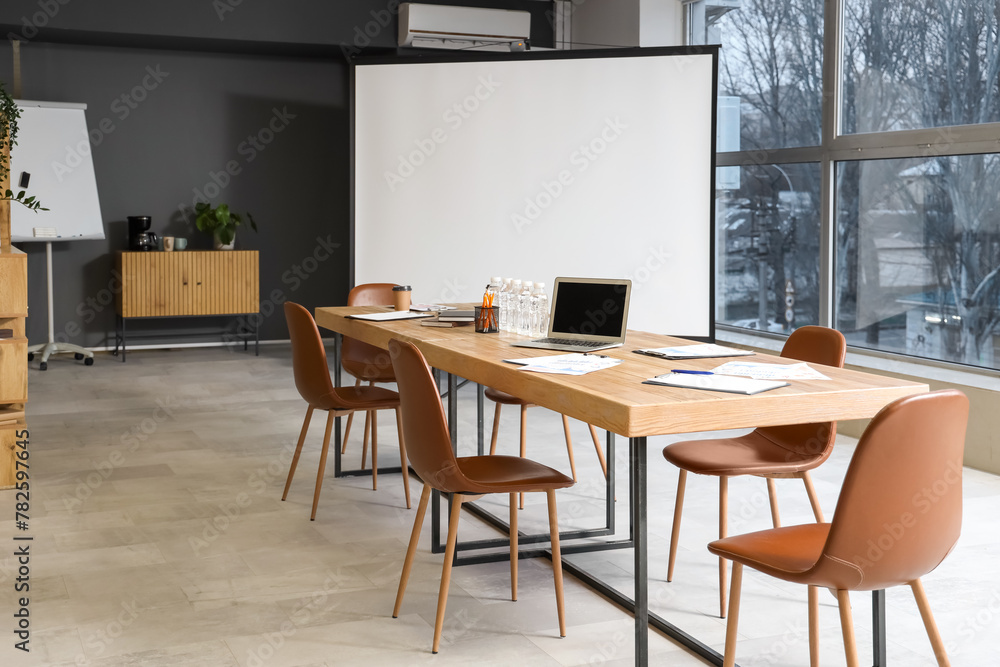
x=401, y=297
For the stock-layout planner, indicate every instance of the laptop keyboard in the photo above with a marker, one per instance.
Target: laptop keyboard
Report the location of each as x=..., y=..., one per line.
x=576, y=343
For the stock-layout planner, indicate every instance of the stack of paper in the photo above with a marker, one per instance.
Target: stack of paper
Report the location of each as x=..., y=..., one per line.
x=801, y=371
x=697, y=351
x=567, y=364
x=711, y=382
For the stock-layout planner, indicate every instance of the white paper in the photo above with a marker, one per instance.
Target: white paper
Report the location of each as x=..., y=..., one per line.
x=697, y=351
x=567, y=364
x=801, y=371
x=388, y=316
x=726, y=383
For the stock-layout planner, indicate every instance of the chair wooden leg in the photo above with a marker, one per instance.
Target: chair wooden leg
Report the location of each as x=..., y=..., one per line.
x=418, y=523
x=298, y=451
x=932, y=630
x=772, y=499
x=569, y=446
x=404, y=466
x=813, y=626
x=322, y=463
x=813, y=498
x=496, y=429
x=599, y=450
x=723, y=532
x=374, y=414
x=729, y=658
x=524, y=442
x=364, y=442
x=350, y=418
x=556, y=560
x=847, y=627
x=449, y=555
x=513, y=546
x=675, y=532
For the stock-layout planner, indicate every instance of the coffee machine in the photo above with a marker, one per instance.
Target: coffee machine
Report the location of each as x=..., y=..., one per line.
x=139, y=236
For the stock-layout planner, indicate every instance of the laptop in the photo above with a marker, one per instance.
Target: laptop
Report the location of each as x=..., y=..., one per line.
x=587, y=314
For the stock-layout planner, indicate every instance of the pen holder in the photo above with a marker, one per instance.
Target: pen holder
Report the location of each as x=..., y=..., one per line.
x=487, y=319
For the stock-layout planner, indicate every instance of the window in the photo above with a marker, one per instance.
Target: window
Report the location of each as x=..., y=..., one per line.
x=768, y=247
x=919, y=256
x=875, y=203
x=910, y=65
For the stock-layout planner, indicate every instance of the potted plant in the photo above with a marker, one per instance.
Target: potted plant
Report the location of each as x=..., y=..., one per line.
x=9, y=113
x=221, y=223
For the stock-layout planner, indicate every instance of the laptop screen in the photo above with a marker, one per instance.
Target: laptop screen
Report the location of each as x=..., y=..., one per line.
x=590, y=307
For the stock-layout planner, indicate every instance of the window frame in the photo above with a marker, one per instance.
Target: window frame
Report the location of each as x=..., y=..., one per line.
x=835, y=146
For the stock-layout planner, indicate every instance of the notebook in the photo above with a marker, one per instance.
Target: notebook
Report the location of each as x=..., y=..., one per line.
x=587, y=314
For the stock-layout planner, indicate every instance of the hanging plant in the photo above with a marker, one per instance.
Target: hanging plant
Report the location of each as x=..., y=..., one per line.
x=9, y=113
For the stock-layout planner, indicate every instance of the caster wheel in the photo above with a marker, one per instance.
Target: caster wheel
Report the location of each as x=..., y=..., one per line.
x=31, y=356
x=43, y=366
x=89, y=361
x=78, y=356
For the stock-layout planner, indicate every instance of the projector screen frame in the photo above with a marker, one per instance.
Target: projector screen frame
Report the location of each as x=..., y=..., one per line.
x=407, y=57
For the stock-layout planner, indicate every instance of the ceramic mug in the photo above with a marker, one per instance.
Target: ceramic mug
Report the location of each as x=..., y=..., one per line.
x=168, y=243
x=180, y=243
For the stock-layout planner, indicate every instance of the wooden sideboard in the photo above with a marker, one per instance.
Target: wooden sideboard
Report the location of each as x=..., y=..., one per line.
x=188, y=283
x=13, y=357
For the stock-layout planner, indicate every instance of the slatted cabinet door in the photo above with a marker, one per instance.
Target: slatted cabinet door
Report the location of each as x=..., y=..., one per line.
x=177, y=284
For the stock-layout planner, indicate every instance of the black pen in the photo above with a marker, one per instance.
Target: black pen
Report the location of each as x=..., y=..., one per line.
x=687, y=372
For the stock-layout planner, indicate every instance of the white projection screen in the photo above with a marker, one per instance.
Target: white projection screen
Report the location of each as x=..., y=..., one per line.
x=532, y=166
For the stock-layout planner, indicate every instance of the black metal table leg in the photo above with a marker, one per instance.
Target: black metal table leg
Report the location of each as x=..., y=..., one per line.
x=878, y=628
x=637, y=488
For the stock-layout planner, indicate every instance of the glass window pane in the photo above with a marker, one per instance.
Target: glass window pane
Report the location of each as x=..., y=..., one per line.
x=771, y=61
x=918, y=256
x=910, y=65
x=767, y=246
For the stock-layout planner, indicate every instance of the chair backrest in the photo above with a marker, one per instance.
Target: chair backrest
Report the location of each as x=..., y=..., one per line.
x=812, y=442
x=425, y=429
x=361, y=359
x=312, y=376
x=900, y=508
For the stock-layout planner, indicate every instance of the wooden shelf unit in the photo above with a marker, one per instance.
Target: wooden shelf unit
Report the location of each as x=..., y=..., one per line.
x=188, y=283
x=13, y=356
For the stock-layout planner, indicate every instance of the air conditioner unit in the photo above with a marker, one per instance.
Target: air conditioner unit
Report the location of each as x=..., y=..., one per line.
x=449, y=27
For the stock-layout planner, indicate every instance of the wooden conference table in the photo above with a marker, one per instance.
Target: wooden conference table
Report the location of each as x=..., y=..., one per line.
x=616, y=400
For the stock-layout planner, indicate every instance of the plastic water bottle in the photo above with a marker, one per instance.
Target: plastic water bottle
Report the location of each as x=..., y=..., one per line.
x=511, y=306
x=539, y=311
x=503, y=299
x=524, y=309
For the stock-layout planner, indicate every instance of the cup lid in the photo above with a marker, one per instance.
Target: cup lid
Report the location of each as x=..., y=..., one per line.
x=402, y=288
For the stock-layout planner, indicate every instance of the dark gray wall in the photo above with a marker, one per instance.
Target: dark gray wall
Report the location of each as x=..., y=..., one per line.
x=175, y=91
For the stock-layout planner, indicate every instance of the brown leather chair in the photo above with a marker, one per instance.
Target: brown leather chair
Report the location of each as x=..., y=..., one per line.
x=771, y=452
x=466, y=478
x=365, y=362
x=312, y=379
x=898, y=516
x=502, y=398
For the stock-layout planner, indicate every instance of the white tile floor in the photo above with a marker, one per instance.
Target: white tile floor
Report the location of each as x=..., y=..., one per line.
x=160, y=539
